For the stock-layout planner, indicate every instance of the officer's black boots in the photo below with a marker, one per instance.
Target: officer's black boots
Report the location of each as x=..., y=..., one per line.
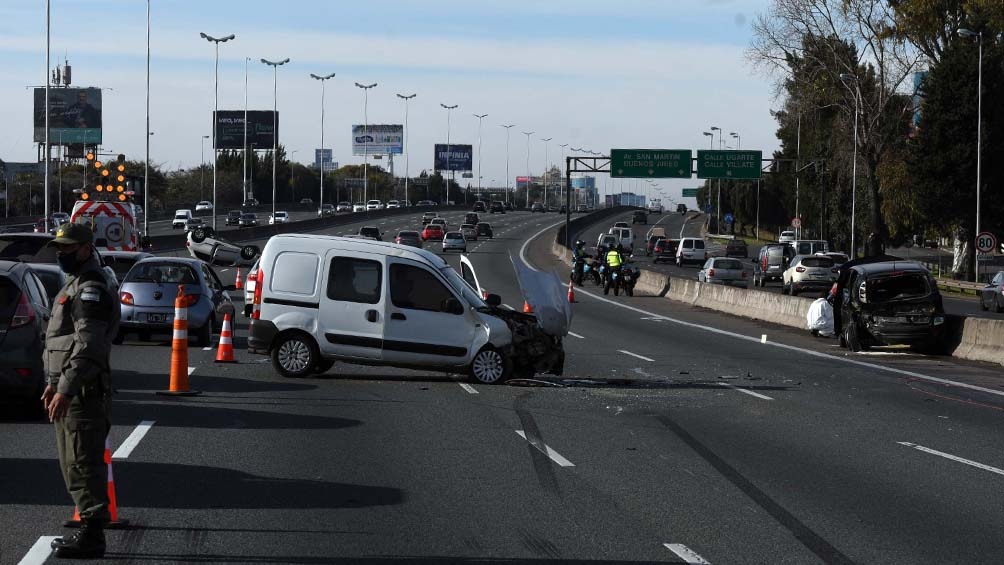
x=86, y=543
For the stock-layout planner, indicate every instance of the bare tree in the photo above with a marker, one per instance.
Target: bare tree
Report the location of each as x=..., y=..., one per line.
x=813, y=31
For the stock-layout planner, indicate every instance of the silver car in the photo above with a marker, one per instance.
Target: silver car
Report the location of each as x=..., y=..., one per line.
x=470, y=232
x=454, y=241
x=203, y=244
x=723, y=270
x=149, y=291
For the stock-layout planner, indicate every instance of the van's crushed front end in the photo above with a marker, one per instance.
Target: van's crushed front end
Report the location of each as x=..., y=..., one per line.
x=532, y=349
x=538, y=336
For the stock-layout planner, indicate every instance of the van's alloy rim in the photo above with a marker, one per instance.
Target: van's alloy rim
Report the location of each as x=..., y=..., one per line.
x=488, y=366
x=294, y=355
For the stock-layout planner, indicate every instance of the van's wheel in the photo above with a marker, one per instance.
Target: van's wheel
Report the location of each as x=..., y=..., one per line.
x=490, y=366
x=295, y=355
x=322, y=366
x=851, y=338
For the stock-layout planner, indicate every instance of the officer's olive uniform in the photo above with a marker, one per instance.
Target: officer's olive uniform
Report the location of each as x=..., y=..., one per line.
x=85, y=318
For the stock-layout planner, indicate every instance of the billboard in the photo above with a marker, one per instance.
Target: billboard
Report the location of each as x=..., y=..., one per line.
x=323, y=160
x=230, y=129
x=376, y=139
x=74, y=115
x=456, y=158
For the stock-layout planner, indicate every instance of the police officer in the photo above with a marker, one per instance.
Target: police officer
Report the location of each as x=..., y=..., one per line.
x=614, y=262
x=85, y=318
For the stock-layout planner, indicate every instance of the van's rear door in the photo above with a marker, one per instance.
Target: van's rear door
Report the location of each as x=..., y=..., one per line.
x=353, y=305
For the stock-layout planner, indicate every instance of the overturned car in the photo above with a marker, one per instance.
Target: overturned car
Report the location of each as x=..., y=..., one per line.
x=321, y=299
x=202, y=243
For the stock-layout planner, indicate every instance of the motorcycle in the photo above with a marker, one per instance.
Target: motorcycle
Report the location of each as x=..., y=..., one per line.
x=591, y=271
x=629, y=276
x=613, y=280
x=579, y=270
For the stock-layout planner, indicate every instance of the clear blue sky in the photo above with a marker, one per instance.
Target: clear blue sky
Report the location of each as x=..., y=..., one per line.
x=596, y=74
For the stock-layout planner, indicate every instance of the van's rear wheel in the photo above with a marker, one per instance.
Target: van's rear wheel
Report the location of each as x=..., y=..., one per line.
x=490, y=366
x=295, y=355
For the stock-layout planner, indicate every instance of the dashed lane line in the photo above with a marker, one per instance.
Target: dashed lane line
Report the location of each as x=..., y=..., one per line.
x=468, y=388
x=573, y=334
x=546, y=450
x=745, y=391
x=688, y=555
x=642, y=357
x=955, y=458
x=39, y=552
x=133, y=440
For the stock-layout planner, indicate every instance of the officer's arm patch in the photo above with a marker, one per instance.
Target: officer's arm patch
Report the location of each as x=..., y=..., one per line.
x=90, y=295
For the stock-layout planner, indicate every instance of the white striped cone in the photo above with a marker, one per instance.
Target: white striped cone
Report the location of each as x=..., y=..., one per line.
x=225, y=351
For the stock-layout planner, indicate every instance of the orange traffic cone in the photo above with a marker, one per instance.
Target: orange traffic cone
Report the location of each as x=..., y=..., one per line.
x=239, y=283
x=225, y=352
x=571, y=292
x=113, y=507
x=527, y=309
x=179, y=349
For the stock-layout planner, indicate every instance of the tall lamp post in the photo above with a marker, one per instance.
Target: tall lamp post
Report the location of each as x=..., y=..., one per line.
x=718, y=220
x=366, y=131
x=507, y=177
x=244, y=150
x=275, y=121
x=528, y=179
x=544, y=178
x=146, y=163
x=561, y=194
x=979, y=142
x=407, y=154
x=323, y=79
x=847, y=77
x=480, y=117
x=449, y=110
x=202, y=174
x=216, y=105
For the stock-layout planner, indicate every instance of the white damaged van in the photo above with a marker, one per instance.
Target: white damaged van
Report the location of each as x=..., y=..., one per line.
x=320, y=299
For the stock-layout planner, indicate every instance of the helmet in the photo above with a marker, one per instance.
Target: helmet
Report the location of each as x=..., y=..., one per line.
x=579, y=243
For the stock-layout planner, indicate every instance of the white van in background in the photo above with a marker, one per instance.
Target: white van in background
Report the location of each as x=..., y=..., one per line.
x=181, y=218
x=691, y=250
x=809, y=246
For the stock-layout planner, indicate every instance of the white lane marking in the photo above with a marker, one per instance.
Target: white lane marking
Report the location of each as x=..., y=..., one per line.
x=749, y=392
x=573, y=334
x=39, y=552
x=522, y=250
x=468, y=388
x=207, y=348
x=191, y=370
x=952, y=457
x=687, y=554
x=809, y=352
x=133, y=440
x=224, y=270
x=626, y=352
x=543, y=448
x=763, y=338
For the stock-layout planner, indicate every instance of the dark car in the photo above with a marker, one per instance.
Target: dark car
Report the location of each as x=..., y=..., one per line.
x=121, y=261
x=471, y=218
x=409, y=237
x=650, y=244
x=771, y=263
x=496, y=208
x=485, y=230
x=537, y=207
x=24, y=315
x=888, y=303
x=563, y=209
x=371, y=231
x=992, y=295
x=326, y=210
x=681, y=208
x=509, y=206
x=27, y=247
x=639, y=217
x=665, y=250
x=234, y=218
x=737, y=248
x=248, y=220
x=479, y=206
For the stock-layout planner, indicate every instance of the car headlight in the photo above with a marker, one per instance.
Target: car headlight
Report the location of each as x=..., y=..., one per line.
x=938, y=320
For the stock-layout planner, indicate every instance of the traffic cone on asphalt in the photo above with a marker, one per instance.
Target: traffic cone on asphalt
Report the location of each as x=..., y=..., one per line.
x=571, y=292
x=179, y=350
x=113, y=507
x=527, y=309
x=225, y=352
x=239, y=283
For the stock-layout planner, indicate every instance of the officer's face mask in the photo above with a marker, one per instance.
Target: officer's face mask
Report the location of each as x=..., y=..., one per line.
x=69, y=262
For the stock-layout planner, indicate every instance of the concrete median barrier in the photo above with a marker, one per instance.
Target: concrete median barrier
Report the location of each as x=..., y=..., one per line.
x=979, y=339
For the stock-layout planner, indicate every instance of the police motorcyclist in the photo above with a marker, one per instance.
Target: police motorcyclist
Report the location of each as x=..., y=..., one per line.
x=579, y=257
x=614, y=260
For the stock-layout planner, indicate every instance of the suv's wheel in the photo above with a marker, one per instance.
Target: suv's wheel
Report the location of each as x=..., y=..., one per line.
x=998, y=307
x=295, y=355
x=490, y=366
x=851, y=337
x=983, y=307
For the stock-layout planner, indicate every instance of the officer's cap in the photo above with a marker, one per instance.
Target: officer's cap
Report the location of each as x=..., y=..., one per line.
x=72, y=233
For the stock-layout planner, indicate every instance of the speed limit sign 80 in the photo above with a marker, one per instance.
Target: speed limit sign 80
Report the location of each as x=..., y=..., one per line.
x=986, y=242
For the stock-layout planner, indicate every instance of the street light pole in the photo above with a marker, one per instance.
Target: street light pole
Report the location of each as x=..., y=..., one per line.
x=528, y=178
x=718, y=220
x=846, y=77
x=507, y=177
x=202, y=174
x=544, y=178
x=561, y=193
x=244, y=149
x=407, y=154
x=323, y=79
x=449, y=110
x=979, y=143
x=275, y=121
x=216, y=104
x=146, y=163
x=366, y=145
x=480, y=117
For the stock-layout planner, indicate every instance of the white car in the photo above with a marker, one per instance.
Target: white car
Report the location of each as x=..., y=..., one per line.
x=786, y=237
x=374, y=205
x=808, y=273
x=280, y=217
x=204, y=206
x=393, y=204
x=454, y=241
x=202, y=243
x=373, y=303
x=344, y=206
x=358, y=207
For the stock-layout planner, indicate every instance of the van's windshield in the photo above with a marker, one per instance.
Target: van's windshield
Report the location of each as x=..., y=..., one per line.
x=471, y=295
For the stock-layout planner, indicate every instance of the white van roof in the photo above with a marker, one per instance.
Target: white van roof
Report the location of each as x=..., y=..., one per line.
x=308, y=241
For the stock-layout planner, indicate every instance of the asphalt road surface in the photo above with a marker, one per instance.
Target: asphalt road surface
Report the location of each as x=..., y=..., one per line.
x=690, y=226
x=675, y=435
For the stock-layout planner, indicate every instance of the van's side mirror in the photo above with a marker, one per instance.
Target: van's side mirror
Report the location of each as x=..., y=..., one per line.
x=493, y=300
x=452, y=306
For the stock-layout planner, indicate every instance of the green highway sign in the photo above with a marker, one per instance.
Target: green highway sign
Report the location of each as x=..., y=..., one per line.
x=690, y=192
x=741, y=165
x=650, y=163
